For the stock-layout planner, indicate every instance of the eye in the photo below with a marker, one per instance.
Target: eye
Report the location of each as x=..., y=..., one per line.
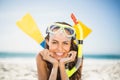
x=66, y=43
x=54, y=42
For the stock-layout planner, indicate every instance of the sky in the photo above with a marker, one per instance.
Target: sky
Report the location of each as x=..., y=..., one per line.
x=102, y=16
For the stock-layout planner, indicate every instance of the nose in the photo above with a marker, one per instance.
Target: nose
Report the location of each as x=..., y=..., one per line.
x=60, y=48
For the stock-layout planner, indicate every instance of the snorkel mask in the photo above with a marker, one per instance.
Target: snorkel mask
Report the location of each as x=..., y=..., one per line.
x=28, y=25
x=55, y=28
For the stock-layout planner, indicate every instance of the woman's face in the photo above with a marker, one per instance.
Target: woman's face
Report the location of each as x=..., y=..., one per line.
x=59, y=45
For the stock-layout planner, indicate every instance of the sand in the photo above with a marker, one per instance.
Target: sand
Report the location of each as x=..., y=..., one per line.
x=101, y=70
x=25, y=69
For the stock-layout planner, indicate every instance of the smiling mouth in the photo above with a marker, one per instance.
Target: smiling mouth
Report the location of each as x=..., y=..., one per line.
x=59, y=54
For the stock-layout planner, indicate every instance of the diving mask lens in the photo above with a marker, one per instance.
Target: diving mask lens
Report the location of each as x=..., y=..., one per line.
x=69, y=31
x=54, y=28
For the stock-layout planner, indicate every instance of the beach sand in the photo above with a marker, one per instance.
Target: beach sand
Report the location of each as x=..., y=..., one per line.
x=25, y=69
x=101, y=70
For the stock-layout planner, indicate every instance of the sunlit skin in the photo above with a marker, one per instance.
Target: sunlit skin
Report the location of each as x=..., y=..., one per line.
x=58, y=54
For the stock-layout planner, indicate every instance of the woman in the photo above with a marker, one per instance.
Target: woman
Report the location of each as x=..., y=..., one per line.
x=59, y=54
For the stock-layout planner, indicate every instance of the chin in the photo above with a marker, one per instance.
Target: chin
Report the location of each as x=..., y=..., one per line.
x=58, y=59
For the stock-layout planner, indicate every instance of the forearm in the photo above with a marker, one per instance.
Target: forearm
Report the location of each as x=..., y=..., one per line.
x=53, y=75
x=63, y=72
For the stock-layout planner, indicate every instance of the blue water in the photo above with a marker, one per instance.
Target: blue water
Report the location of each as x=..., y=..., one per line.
x=16, y=55
x=33, y=55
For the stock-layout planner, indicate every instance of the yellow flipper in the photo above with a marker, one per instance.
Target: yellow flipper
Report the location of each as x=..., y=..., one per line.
x=86, y=30
x=28, y=25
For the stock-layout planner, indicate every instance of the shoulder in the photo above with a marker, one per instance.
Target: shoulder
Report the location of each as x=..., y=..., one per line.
x=39, y=55
x=39, y=58
x=42, y=68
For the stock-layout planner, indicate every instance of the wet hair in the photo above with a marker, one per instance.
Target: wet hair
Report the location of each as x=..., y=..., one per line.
x=77, y=74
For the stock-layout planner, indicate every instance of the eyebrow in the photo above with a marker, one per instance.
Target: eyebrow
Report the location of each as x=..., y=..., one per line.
x=57, y=41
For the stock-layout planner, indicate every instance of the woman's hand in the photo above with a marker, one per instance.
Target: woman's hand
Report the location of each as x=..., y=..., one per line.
x=46, y=54
x=70, y=58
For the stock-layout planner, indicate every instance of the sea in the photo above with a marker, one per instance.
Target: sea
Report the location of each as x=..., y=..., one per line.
x=86, y=55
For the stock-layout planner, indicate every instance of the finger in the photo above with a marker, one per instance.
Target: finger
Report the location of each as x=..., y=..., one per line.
x=73, y=55
x=51, y=54
x=41, y=53
x=69, y=54
x=46, y=53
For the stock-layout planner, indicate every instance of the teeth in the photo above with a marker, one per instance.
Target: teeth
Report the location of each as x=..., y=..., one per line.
x=59, y=54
